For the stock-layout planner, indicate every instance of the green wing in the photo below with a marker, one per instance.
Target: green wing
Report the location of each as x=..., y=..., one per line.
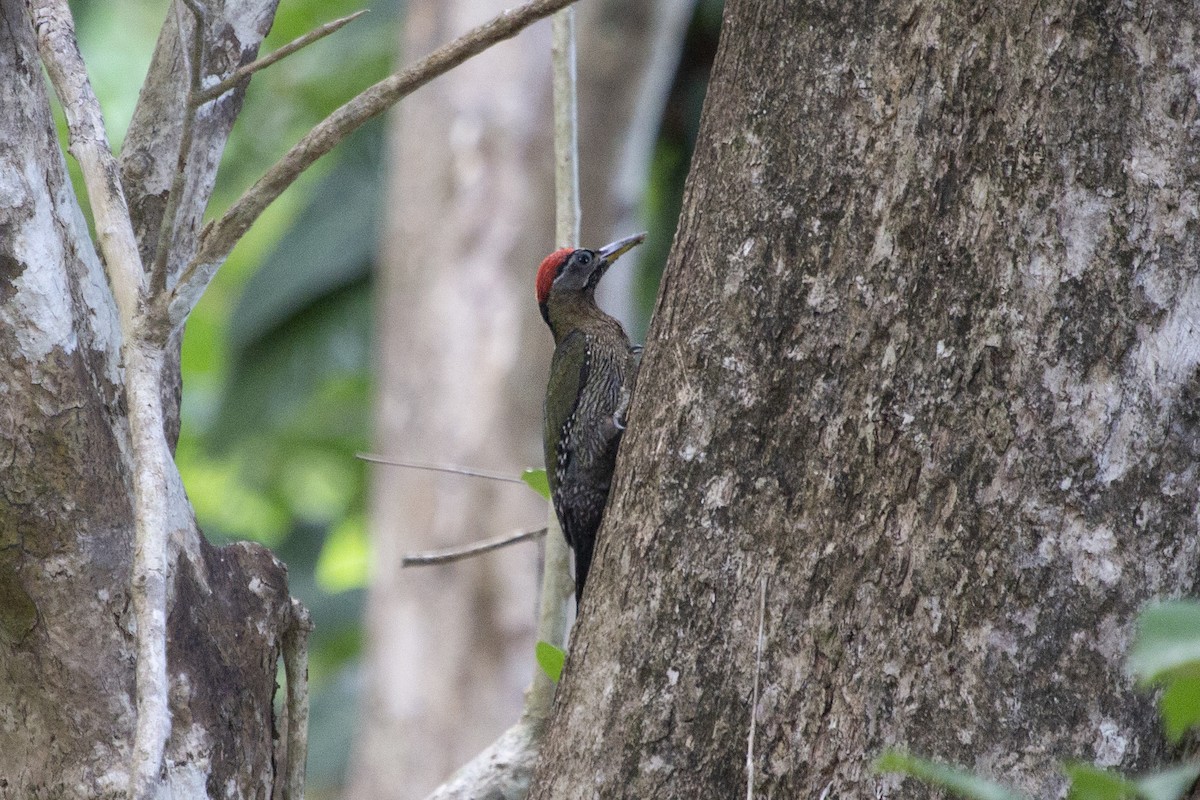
x=568, y=372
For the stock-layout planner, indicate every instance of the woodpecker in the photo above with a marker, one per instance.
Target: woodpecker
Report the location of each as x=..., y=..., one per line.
x=591, y=380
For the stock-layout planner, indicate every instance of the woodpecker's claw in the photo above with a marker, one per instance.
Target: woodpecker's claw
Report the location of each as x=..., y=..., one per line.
x=619, y=416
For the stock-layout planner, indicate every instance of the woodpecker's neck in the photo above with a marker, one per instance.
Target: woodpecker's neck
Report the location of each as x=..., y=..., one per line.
x=570, y=311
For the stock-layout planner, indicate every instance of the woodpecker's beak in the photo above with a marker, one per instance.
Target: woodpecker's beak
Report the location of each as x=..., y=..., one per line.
x=611, y=252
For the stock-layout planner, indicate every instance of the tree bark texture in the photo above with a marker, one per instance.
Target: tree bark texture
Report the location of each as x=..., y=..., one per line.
x=925, y=361
x=67, y=637
x=150, y=152
x=462, y=374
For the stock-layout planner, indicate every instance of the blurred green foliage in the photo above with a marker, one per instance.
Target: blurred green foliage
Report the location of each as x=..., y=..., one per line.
x=277, y=356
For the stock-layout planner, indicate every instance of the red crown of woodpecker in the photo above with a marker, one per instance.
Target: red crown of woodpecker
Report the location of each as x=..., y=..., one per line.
x=546, y=272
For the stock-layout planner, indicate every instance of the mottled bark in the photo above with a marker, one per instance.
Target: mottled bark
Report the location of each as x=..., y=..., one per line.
x=67, y=632
x=150, y=151
x=462, y=373
x=926, y=359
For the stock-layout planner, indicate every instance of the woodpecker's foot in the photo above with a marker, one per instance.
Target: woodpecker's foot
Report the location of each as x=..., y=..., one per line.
x=620, y=415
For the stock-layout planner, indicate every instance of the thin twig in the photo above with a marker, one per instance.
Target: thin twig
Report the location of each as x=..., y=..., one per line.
x=295, y=667
x=469, y=551
x=218, y=238
x=557, y=585
x=566, y=132
x=762, y=613
x=473, y=473
x=166, y=228
x=199, y=98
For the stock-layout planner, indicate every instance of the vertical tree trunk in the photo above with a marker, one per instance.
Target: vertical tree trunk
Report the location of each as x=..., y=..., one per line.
x=450, y=644
x=925, y=364
x=463, y=366
x=67, y=633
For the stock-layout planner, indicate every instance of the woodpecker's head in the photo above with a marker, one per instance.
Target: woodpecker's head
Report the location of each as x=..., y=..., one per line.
x=575, y=273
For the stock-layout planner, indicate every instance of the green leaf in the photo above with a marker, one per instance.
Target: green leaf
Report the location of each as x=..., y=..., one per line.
x=1168, y=643
x=1170, y=784
x=1092, y=783
x=1180, y=707
x=958, y=781
x=536, y=479
x=550, y=659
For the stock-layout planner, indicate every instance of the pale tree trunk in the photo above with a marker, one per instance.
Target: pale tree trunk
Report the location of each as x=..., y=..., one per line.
x=448, y=646
x=462, y=365
x=67, y=629
x=925, y=365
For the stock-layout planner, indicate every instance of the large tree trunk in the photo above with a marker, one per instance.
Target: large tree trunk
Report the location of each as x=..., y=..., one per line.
x=463, y=355
x=925, y=364
x=67, y=631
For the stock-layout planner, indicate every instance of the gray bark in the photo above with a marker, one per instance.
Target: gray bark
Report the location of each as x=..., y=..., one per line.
x=150, y=151
x=67, y=638
x=926, y=361
x=463, y=363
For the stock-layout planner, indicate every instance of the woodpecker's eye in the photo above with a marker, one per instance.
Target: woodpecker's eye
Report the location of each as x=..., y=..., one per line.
x=585, y=258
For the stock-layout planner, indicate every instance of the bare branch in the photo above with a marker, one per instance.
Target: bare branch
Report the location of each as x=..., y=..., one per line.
x=59, y=51
x=243, y=73
x=219, y=238
x=151, y=462
x=477, y=549
x=473, y=473
x=503, y=769
x=566, y=133
x=557, y=585
x=295, y=666
x=166, y=229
